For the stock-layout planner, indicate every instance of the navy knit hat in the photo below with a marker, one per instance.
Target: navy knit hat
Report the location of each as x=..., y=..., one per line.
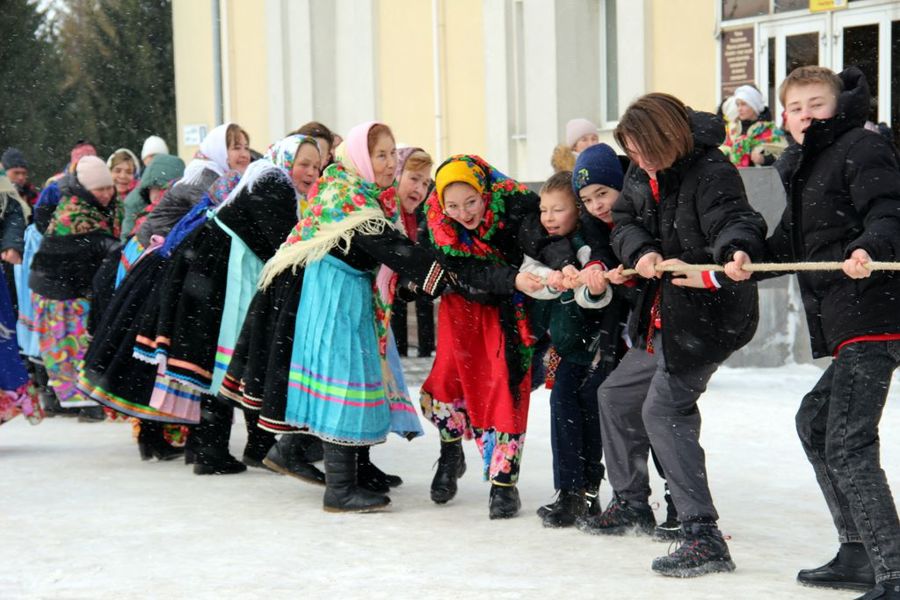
x=13, y=159
x=597, y=164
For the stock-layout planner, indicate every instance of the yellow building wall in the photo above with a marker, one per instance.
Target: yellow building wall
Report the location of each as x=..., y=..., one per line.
x=245, y=85
x=405, y=71
x=463, y=86
x=682, y=60
x=192, y=48
x=406, y=74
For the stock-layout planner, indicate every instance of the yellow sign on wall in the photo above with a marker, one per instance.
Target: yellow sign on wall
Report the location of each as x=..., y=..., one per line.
x=826, y=5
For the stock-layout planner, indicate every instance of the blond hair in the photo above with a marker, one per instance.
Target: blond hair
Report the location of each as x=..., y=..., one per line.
x=807, y=76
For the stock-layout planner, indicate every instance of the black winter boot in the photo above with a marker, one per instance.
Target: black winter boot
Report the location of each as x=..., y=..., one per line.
x=886, y=590
x=211, y=438
x=369, y=477
x=91, y=414
x=259, y=441
x=504, y=502
x=152, y=444
x=670, y=530
x=703, y=551
x=341, y=492
x=570, y=507
x=548, y=508
x=286, y=455
x=850, y=569
x=619, y=518
x=592, y=497
x=450, y=467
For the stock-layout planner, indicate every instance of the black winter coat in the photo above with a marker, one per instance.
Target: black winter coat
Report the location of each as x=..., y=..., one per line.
x=843, y=189
x=702, y=216
x=64, y=266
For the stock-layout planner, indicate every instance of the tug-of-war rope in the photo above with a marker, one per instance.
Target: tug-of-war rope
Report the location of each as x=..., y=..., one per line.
x=798, y=266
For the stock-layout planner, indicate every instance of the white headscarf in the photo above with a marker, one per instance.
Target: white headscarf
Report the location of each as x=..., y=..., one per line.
x=752, y=97
x=212, y=155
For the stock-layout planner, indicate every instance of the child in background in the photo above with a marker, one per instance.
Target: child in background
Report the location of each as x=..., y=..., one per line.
x=574, y=412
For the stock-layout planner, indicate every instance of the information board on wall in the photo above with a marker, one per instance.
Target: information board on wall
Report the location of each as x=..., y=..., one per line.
x=738, y=60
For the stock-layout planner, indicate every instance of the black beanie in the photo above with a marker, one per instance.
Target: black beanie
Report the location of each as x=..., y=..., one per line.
x=13, y=159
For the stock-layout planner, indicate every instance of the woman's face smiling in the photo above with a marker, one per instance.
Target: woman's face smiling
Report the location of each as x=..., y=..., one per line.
x=464, y=204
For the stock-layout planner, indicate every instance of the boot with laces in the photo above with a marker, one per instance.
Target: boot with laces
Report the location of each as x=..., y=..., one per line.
x=703, y=551
x=571, y=505
x=670, y=530
x=619, y=518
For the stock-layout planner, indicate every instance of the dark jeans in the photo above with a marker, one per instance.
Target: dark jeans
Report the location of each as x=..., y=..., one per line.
x=424, y=322
x=641, y=403
x=575, y=428
x=838, y=427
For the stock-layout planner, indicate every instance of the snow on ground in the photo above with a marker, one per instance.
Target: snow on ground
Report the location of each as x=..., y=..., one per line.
x=83, y=517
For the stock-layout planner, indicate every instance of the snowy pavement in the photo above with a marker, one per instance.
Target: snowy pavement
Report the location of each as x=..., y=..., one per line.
x=83, y=517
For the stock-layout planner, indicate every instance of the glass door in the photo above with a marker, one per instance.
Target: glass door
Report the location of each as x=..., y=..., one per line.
x=870, y=40
x=784, y=46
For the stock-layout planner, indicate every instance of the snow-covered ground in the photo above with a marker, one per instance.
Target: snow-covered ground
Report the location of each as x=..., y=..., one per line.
x=83, y=517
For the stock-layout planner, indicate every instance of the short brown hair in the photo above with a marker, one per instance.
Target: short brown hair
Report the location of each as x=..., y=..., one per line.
x=659, y=124
x=316, y=130
x=418, y=160
x=560, y=182
x=233, y=133
x=375, y=132
x=808, y=76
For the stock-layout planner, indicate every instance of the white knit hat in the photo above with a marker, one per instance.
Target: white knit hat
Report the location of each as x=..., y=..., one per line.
x=751, y=96
x=93, y=173
x=576, y=129
x=154, y=145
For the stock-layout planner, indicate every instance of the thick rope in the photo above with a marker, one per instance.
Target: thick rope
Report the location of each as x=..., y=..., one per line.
x=798, y=266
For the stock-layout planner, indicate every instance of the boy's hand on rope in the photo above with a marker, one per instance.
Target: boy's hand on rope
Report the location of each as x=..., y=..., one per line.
x=646, y=265
x=572, y=277
x=735, y=268
x=855, y=266
x=691, y=279
x=528, y=282
x=556, y=280
x=595, y=280
x=617, y=276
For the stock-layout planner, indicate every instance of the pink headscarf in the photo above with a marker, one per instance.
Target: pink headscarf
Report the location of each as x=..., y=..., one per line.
x=354, y=151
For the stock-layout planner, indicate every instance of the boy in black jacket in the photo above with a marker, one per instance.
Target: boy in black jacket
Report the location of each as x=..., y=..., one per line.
x=843, y=185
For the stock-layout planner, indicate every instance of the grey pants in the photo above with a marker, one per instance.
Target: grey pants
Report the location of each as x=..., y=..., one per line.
x=838, y=426
x=642, y=404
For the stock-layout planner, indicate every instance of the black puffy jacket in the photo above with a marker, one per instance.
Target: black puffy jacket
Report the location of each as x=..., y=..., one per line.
x=703, y=216
x=843, y=189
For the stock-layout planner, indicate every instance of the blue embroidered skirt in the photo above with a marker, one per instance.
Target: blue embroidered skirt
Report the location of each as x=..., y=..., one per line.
x=335, y=386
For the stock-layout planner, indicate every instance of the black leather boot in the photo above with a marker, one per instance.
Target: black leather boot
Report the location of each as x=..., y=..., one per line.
x=504, y=502
x=211, y=438
x=91, y=414
x=341, y=492
x=450, y=467
x=570, y=506
x=850, y=569
x=152, y=444
x=286, y=457
x=259, y=441
x=369, y=477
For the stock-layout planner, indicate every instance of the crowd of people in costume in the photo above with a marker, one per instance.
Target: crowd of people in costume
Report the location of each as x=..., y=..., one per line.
x=171, y=294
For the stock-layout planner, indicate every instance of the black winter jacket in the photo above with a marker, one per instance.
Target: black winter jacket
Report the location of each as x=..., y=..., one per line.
x=843, y=189
x=702, y=216
x=64, y=266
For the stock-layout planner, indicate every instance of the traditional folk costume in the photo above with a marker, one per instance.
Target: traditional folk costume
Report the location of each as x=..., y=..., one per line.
x=479, y=385
x=76, y=241
x=321, y=365
x=17, y=394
